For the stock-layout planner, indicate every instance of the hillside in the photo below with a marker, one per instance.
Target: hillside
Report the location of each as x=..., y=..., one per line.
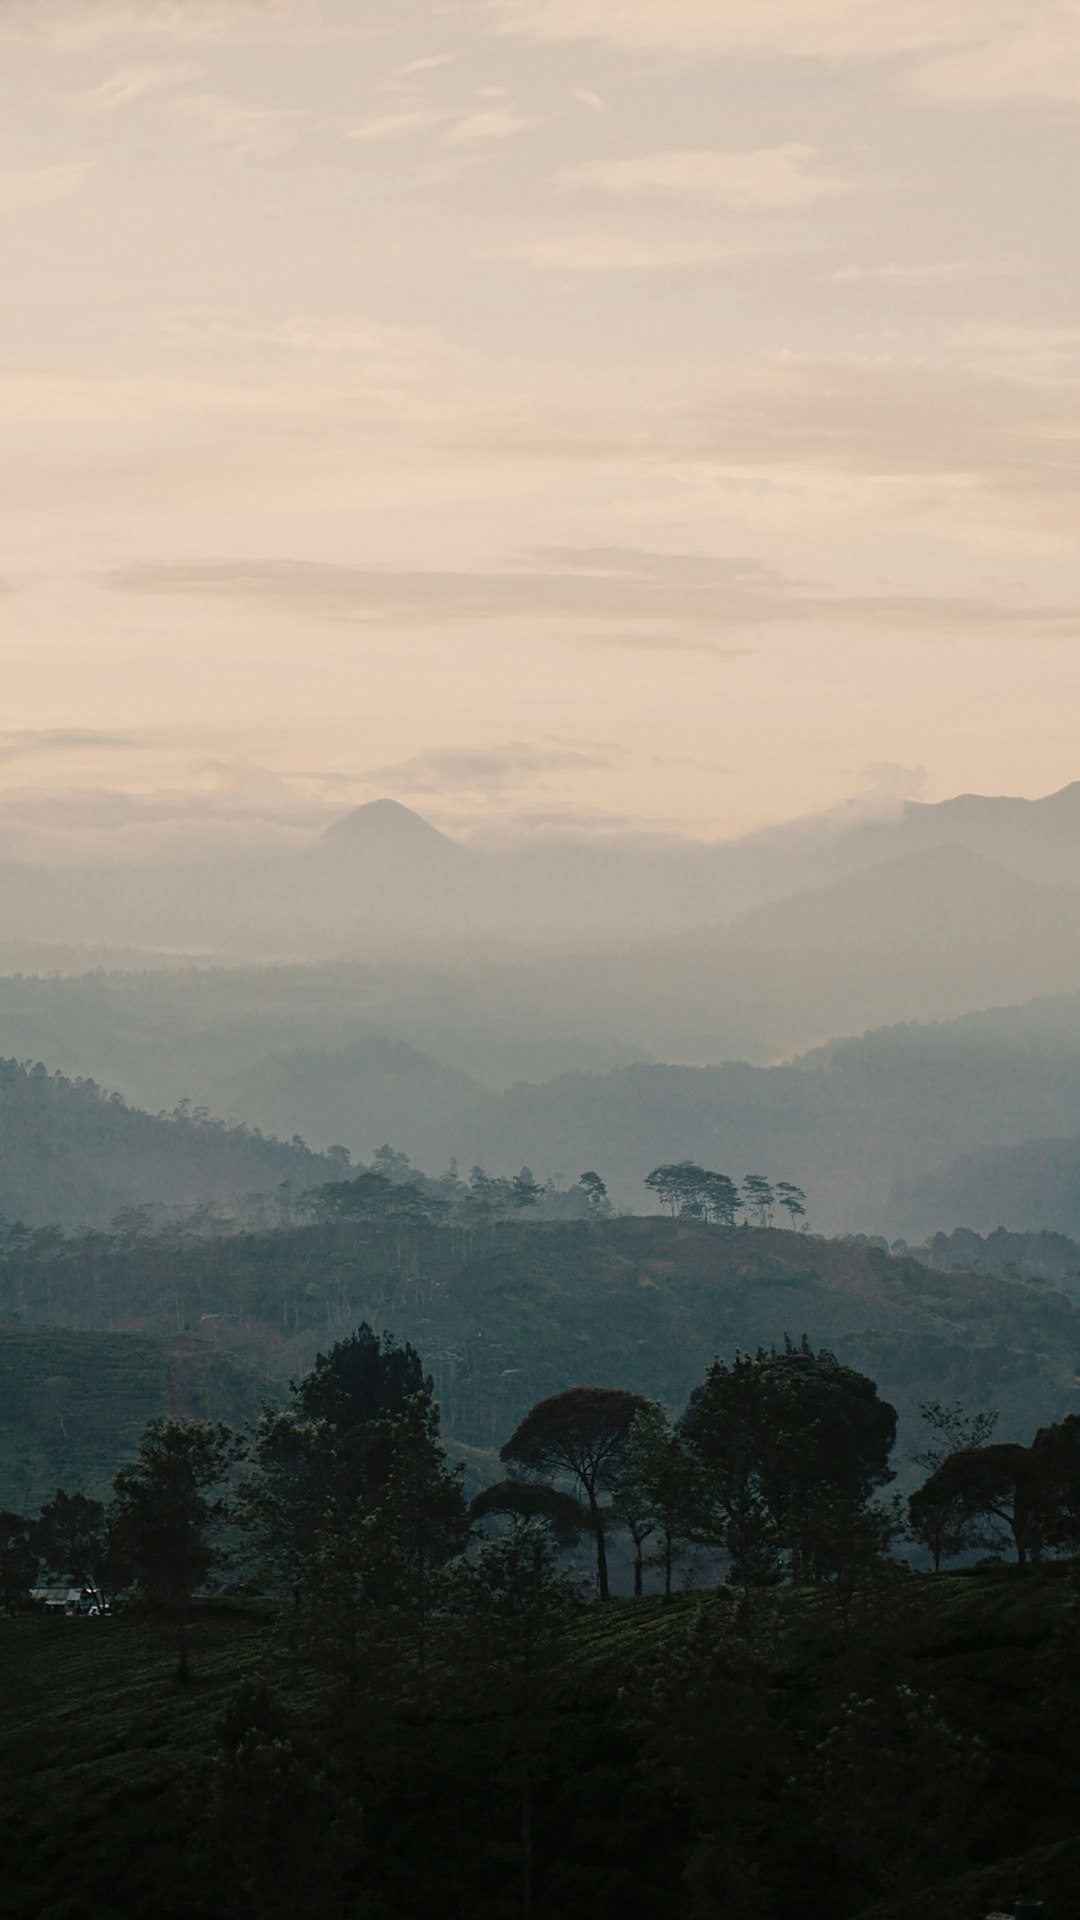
x=941, y=896
x=534, y=1063
x=73, y=1405
x=1023, y=1188
x=113, y=1799
x=504, y=1317
x=71, y=1154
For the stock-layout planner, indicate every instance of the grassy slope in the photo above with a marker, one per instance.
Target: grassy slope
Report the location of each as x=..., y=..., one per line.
x=102, y=1756
x=74, y=1405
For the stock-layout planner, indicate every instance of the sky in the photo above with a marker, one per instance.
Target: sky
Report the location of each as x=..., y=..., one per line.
x=600, y=415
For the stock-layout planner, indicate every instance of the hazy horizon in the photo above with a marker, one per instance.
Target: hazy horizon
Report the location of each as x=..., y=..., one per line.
x=637, y=416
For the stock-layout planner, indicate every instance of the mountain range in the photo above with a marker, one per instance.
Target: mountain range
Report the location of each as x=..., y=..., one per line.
x=382, y=878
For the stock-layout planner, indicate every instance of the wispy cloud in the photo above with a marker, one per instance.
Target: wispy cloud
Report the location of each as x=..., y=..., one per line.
x=127, y=85
x=656, y=595
x=394, y=126
x=25, y=743
x=935, y=273
x=495, y=769
x=778, y=177
x=244, y=126
x=495, y=123
x=620, y=253
x=32, y=186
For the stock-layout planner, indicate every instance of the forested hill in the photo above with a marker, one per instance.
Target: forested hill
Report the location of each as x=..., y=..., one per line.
x=74, y=1155
x=510, y=1313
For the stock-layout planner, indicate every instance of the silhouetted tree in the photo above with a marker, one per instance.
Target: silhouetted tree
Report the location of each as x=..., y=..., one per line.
x=657, y=1494
x=792, y=1199
x=18, y=1559
x=774, y=1433
x=759, y=1198
x=995, y=1486
x=583, y=1432
x=596, y=1193
x=71, y=1538
x=942, y=1520
x=167, y=1513
x=514, y=1608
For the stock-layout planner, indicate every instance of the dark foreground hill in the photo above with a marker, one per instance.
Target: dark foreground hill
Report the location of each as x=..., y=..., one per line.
x=801, y=1771
x=519, y=1312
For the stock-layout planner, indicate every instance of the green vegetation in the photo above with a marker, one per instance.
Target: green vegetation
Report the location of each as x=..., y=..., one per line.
x=415, y=1708
x=110, y=1774
x=73, y=1405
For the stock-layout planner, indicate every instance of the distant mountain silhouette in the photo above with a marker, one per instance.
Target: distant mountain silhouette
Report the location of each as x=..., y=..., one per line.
x=387, y=826
x=383, y=879
x=943, y=894
x=1037, y=838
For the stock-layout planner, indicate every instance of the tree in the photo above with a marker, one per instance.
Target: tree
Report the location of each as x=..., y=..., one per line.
x=583, y=1432
x=992, y=1485
x=721, y=1197
x=596, y=1194
x=18, y=1560
x=759, y=1198
x=167, y=1513
x=375, y=1573
x=951, y=1429
x=362, y=1378
x=514, y=1610
x=72, y=1539
x=792, y=1199
x=1055, y=1459
x=773, y=1434
x=521, y=1500
x=524, y=1190
x=657, y=1493
x=942, y=1520
x=288, y=1497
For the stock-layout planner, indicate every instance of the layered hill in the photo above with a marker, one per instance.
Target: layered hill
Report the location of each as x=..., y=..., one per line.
x=74, y=1155
x=863, y=1125
x=384, y=878
x=507, y=1315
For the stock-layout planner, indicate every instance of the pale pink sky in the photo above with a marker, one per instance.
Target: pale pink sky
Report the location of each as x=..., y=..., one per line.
x=644, y=412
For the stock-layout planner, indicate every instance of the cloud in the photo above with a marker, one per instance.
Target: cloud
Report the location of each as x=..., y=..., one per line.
x=886, y=788
x=660, y=596
x=620, y=253
x=27, y=742
x=496, y=123
x=428, y=63
x=968, y=51
x=31, y=187
x=76, y=22
x=123, y=88
x=241, y=125
x=494, y=769
x=586, y=98
x=935, y=273
x=766, y=177
x=391, y=126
